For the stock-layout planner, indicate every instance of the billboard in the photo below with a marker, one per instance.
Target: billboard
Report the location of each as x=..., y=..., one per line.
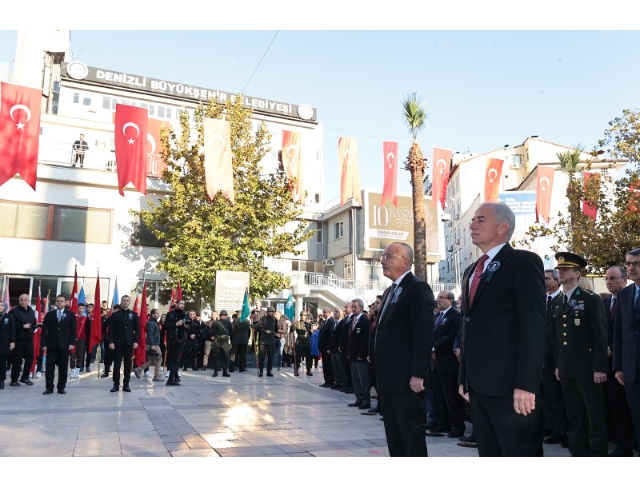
x=230, y=286
x=385, y=224
x=523, y=203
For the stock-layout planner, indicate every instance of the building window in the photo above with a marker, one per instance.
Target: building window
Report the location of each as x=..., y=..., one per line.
x=152, y=109
x=317, y=198
x=160, y=111
x=338, y=230
x=21, y=220
x=168, y=112
x=143, y=105
x=113, y=104
x=106, y=103
x=318, y=154
x=76, y=98
x=143, y=236
x=319, y=232
x=81, y=225
x=86, y=102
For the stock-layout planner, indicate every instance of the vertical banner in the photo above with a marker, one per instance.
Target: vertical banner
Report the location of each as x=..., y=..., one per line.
x=349, y=172
x=440, y=175
x=544, y=187
x=492, y=179
x=218, y=167
x=591, y=209
x=96, y=318
x=131, y=129
x=292, y=161
x=390, y=187
x=154, y=147
x=19, y=133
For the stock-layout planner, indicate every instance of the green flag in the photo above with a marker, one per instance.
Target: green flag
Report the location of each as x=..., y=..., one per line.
x=246, y=309
x=289, y=310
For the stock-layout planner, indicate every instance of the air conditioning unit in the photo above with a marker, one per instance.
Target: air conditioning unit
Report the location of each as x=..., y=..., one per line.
x=328, y=262
x=450, y=248
x=516, y=161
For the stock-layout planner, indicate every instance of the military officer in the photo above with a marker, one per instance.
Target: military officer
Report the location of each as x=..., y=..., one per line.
x=267, y=327
x=581, y=358
x=303, y=344
x=220, y=331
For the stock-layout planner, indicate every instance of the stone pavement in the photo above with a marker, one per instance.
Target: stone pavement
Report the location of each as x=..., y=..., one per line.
x=244, y=415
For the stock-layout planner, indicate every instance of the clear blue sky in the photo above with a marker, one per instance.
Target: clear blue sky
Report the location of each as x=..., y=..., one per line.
x=483, y=89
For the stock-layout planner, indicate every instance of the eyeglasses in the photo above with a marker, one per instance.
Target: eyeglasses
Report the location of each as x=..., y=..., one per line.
x=387, y=256
x=635, y=264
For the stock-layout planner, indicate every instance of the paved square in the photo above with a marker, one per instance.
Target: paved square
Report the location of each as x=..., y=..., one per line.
x=244, y=415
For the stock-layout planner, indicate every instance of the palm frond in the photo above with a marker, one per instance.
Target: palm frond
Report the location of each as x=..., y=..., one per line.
x=413, y=110
x=569, y=160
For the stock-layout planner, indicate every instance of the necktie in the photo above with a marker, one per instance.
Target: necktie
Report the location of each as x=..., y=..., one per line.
x=476, y=277
x=565, y=300
x=440, y=316
x=549, y=299
x=636, y=306
x=59, y=315
x=389, y=298
x=612, y=310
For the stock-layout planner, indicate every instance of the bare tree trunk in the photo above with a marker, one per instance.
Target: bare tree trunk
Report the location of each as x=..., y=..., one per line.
x=416, y=166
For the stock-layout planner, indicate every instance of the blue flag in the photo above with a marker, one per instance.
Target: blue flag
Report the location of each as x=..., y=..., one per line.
x=246, y=309
x=82, y=299
x=289, y=309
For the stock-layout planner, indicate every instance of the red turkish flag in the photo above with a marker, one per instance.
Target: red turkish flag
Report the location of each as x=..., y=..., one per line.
x=292, y=161
x=349, y=172
x=96, y=318
x=390, y=187
x=440, y=175
x=544, y=187
x=131, y=147
x=492, y=179
x=19, y=133
x=141, y=352
x=73, y=301
x=587, y=209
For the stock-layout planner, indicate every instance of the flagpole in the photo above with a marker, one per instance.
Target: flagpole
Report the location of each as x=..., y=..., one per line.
x=95, y=306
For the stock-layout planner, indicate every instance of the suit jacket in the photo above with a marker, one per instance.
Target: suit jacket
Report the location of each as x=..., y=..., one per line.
x=359, y=339
x=336, y=333
x=502, y=336
x=124, y=328
x=624, y=338
x=61, y=333
x=324, y=338
x=7, y=333
x=240, y=331
x=344, y=334
x=404, y=335
x=581, y=335
x=610, y=319
x=443, y=339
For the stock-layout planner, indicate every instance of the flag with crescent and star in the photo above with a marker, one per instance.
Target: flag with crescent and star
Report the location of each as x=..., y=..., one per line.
x=131, y=126
x=292, y=162
x=19, y=132
x=96, y=319
x=492, y=179
x=218, y=164
x=544, y=187
x=440, y=175
x=349, y=172
x=390, y=185
x=590, y=206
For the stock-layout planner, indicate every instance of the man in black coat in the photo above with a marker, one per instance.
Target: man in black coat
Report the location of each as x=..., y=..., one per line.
x=324, y=347
x=445, y=365
x=343, y=348
x=124, y=335
x=240, y=332
x=25, y=323
x=334, y=348
x=502, y=337
x=626, y=338
x=358, y=351
x=403, y=339
x=175, y=329
x=59, y=337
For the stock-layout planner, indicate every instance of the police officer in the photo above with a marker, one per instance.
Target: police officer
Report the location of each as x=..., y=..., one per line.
x=581, y=358
x=174, y=326
x=267, y=327
x=240, y=332
x=303, y=344
x=220, y=331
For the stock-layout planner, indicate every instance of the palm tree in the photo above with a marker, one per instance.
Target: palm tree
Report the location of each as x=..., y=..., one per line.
x=569, y=162
x=413, y=109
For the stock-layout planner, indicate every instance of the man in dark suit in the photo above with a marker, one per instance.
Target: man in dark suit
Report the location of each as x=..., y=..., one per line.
x=581, y=358
x=124, y=335
x=240, y=332
x=551, y=390
x=626, y=338
x=324, y=347
x=403, y=339
x=502, y=336
x=357, y=355
x=445, y=368
x=59, y=337
x=343, y=348
x=334, y=346
x=175, y=329
x=619, y=413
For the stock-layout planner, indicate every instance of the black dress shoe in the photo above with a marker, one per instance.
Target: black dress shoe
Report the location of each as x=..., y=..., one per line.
x=226, y=374
x=104, y=375
x=335, y=386
x=355, y=404
x=342, y=389
x=126, y=389
x=15, y=384
x=61, y=391
x=48, y=391
x=1, y=384
x=456, y=433
x=88, y=369
x=26, y=381
x=172, y=383
x=377, y=409
x=441, y=429
x=430, y=425
x=215, y=374
x=309, y=373
x=349, y=390
x=565, y=444
x=324, y=384
x=468, y=439
x=260, y=374
x=269, y=374
x=177, y=379
x=365, y=405
x=619, y=452
x=115, y=388
x=555, y=438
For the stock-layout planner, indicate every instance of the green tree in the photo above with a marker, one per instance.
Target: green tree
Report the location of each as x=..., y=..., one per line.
x=203, y=236
x=413, y=110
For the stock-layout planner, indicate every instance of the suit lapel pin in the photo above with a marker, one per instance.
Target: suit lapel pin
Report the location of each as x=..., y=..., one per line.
x=494, y=266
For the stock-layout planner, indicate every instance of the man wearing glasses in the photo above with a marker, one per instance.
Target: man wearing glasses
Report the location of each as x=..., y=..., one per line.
x=626, y=338
x=402, y=345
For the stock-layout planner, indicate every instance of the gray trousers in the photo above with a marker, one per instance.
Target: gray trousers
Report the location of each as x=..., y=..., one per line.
x=361, y=382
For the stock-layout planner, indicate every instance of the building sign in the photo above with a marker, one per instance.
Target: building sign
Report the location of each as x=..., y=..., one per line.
x=78, y=71
x=522, y=203
x=385, y=224
x=230, y=286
